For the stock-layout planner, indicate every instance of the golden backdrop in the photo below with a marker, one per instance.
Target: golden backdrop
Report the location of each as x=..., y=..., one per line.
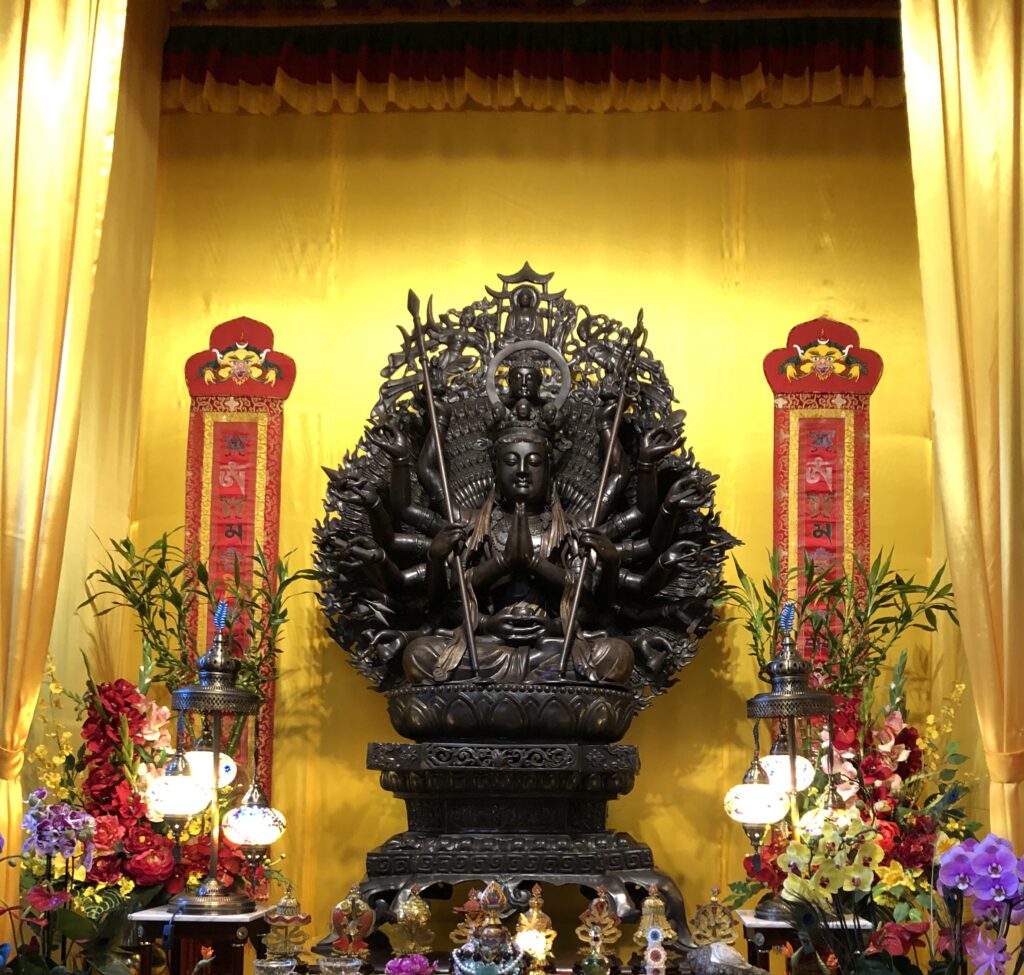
x=728, y=228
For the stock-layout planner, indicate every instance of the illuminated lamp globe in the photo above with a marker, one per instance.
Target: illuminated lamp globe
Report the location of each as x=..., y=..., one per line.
x=201, y=762
x=178, y=794
x=253, y=823
x=777, y=767
x=756, y=804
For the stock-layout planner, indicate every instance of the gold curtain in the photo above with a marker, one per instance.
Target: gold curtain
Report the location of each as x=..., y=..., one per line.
x=964, y=97
x=60, y=62
x=539, y=94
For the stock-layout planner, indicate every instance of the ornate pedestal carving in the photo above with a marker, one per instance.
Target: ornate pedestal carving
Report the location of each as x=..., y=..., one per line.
x=519, y=813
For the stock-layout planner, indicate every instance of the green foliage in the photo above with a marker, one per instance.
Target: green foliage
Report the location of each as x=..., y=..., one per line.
x=167, y=589
x=741, y=891
x=854, y=621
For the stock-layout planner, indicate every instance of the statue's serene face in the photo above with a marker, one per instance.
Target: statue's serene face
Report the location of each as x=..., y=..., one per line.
x=524, y=382
x=522, y=471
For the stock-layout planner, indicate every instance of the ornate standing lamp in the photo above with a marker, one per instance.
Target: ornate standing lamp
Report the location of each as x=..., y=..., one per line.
x=214, y=697
x=790, y=698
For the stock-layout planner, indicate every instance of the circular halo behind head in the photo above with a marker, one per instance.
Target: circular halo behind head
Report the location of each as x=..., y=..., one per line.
x=529, y=344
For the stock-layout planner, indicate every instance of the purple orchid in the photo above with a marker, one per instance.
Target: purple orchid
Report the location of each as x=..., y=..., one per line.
x=986, y=911
x=955, y=870
x=989, y=955
x=997, y=889
x=993, y=857
x=56, y=830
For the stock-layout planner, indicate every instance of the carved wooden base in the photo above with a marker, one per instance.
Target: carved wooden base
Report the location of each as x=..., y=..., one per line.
x=517, y=813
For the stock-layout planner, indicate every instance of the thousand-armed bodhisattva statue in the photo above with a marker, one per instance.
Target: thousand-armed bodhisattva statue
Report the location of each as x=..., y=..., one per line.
x=521, y=553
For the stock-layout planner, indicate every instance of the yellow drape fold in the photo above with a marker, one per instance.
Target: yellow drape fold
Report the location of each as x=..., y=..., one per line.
x=964, y=98
x=539, y=94
x=60, y=62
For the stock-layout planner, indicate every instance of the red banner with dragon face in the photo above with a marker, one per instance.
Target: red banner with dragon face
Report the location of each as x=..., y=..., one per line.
x=822, y=381
x=233, y=473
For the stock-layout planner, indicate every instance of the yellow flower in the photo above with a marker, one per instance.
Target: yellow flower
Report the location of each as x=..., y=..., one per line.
x=829, y=880
x=858, y=878
x=799, y=888
x=56, y=687
x=796, y=858
x=891, y=875
x=943, y=843
x=869, y=855
x=883, y=897
x=125, y=886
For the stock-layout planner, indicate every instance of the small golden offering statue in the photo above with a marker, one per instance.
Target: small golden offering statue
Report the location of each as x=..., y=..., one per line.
x=652, y=915
x=714, y=922
x=286, y=939
x=412, y=916
x=353, y=921
x=472, y=914
x=598, y=930
x=490, y=950
x=535, y=933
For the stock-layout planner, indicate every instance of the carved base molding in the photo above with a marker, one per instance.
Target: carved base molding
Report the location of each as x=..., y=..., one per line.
x=518, y=813
x=555, y=712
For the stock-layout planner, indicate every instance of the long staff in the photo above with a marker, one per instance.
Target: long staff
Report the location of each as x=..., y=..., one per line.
x=637, y=341
x=428, y=393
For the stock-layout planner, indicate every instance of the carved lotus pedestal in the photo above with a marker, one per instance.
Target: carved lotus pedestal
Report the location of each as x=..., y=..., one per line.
x=520, y=812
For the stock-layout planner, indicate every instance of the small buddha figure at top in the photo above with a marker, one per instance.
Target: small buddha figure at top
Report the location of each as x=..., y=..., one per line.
x=524, y=317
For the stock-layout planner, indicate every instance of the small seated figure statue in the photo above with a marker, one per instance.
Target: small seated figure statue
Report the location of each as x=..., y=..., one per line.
x=491, y=950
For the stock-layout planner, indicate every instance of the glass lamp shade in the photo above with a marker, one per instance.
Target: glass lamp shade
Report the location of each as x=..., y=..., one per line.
x=178, y=795
x=777, y=767
x=201, y=763
x=756, y=803
x=253, y=823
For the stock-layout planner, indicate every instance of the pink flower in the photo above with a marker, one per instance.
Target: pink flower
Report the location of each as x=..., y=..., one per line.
x=886, y=738
x=154, y=728
x=42, y=900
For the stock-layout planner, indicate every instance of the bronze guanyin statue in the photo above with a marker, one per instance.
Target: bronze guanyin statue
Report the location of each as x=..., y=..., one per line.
x=520, y=553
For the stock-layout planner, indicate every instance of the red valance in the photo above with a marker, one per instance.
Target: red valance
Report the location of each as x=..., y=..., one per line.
x=563, y=65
